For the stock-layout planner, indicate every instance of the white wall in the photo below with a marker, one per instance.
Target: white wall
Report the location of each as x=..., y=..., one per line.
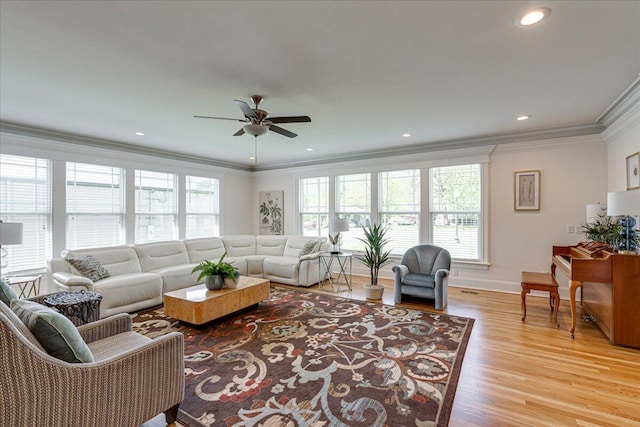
x=573, y=174
x=623, y=139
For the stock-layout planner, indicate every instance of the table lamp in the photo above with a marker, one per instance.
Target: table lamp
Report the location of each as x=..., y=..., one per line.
x=10, y=234
x=625, y=204
x=335, y=227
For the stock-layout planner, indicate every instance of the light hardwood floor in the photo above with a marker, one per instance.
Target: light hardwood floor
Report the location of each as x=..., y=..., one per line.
x=531, y=373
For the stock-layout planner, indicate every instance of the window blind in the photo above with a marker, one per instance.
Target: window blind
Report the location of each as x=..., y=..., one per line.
x=314, y=206
x=155, y=206
x=399, y=208
x=202, y=206
x=353, y=202
x=25, y=196
x=455, y=209
x=95, y=205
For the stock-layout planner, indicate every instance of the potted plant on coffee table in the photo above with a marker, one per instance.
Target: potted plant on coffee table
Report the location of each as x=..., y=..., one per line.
x=374, y=257
x=215, y=273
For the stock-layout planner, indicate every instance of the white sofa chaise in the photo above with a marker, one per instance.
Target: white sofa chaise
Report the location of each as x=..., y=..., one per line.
x=141, y=274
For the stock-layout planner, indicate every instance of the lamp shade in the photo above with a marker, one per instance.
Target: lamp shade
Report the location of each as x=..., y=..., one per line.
x=339, y=224
x=623, y=203
x=10, y=233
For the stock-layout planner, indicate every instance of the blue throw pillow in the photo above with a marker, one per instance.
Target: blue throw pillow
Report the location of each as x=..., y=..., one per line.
x=7, y=294
x=53, y=331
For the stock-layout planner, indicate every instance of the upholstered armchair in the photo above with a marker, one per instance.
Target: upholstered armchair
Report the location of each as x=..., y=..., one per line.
x=424, y=272
x=132, y=379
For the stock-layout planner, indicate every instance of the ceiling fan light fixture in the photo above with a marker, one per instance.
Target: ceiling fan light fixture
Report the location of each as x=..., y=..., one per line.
x=256, y=129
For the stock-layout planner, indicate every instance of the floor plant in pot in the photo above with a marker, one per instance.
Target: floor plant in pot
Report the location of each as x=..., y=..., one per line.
x=374, y=257
x=215, y=273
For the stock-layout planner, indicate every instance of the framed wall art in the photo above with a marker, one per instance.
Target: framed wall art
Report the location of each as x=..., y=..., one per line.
x=270, y=206
x=633, y=171
x=527, y=191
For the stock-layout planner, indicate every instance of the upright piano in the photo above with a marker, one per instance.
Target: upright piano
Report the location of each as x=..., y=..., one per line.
x=610, y=285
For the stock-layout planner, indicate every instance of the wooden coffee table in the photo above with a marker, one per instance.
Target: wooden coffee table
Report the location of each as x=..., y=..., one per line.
x=197, y=305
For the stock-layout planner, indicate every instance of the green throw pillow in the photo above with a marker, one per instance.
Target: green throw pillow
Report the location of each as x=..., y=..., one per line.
x=53, y=331
x=88, y=266
x=7, y=294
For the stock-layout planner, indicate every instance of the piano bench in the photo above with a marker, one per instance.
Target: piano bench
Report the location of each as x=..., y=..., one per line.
x=540, y=282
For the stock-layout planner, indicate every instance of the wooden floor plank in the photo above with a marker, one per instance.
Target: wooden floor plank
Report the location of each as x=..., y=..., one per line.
x=530, y=373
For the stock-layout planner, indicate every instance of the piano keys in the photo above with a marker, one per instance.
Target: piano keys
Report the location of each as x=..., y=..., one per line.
x=610, y=284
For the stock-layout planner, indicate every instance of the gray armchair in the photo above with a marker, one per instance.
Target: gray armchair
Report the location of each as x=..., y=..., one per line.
x=133, y=378
x=424, y=272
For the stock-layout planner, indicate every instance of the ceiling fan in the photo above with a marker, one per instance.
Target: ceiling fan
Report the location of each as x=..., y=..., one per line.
x=258, y=121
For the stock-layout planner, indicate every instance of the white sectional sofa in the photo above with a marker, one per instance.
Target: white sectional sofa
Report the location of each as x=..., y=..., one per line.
x=141, y=274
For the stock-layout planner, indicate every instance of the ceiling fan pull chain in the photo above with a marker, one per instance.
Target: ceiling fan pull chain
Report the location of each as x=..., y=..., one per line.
x=255, y=150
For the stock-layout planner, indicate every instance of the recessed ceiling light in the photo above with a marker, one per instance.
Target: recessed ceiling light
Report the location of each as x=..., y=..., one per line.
x=139, y=133
x=534, y=16
x=309, y=149
x=252, y=158
x=523, y=117
x=406, y=135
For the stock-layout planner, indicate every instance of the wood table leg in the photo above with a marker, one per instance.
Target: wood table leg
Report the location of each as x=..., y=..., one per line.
x=556, y=304
x=573, y=286
x=523, y=295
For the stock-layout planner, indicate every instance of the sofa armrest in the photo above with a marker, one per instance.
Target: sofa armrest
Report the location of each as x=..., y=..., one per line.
x=104, y=328
x=72, y=281
x=442, y=274
x=400, y=271
x=309, y=257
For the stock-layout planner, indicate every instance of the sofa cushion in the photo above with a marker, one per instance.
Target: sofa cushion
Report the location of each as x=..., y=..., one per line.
x=54, y=332
x=88, y=267
x=270, y=245
x=419, y=280
x=297, y=243
x=7, y=294
x=240, y=245
x=286, y=267
x=161, y=254
x=177, y=277
x=128, y=289
x=206, y=248
x=116, y=259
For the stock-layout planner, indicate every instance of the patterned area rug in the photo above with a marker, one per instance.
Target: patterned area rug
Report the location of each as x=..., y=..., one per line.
x=308, y=359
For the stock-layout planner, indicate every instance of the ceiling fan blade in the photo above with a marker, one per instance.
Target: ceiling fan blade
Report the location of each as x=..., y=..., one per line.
x=278, y=129
x=240, y=132
x=292, y=119
x=246, y=110
x=219, y=118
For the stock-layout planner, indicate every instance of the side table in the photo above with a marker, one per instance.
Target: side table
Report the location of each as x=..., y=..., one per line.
x=80, y=307
x=27, y=284
x=344, y=261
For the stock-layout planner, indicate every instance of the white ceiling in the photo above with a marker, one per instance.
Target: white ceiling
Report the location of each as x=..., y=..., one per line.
x=364, y=71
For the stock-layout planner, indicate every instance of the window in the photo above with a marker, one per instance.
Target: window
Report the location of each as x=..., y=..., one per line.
x=399, y=208
x=314, y=206
x=202, y=206
x=25, y=196
x=95, y=205
x=156, y=207
x=455, y=203
x=353, y=201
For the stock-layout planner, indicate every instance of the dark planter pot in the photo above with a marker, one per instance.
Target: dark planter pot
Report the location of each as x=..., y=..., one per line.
x=214, y=282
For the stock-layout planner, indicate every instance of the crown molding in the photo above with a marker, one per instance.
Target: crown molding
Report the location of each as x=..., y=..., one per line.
x=618, y=108
x=452, y=144
x=87, y=141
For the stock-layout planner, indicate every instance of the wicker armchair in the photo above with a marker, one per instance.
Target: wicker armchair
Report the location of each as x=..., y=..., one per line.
x=133, y=379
